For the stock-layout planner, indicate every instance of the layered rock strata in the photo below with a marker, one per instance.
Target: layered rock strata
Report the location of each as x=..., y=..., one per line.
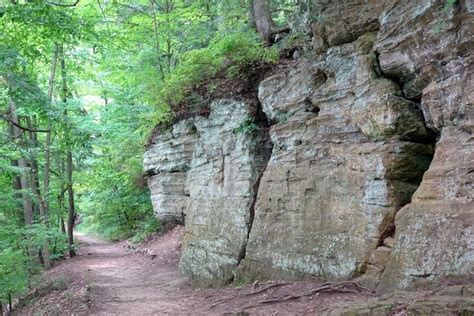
x=349, y=151
x=371, y=172
x=428, y=47
x=206, y=171
x=167, y=162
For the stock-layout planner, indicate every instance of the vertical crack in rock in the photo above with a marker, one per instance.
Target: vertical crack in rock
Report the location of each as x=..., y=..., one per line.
x=409, y=179
x=228, y=158
x=264, y=125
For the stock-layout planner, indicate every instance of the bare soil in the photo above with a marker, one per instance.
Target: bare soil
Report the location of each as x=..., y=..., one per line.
x=118, y=278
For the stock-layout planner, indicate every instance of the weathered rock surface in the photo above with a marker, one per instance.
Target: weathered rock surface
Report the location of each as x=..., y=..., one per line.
x=428, y=47
x=371, y=173
x=166, y=162
x=451, y=300
x=344, y=161
x=206, y=171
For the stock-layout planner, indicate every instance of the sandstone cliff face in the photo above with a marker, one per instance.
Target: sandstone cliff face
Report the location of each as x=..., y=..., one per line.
x=205, y=172
x=345, y=159
x=371, y=171
x=433, y=60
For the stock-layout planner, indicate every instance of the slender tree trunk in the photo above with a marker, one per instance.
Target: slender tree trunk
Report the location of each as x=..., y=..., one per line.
x=40, y=201
x=43, y=199
x=10, y=302
x=61, y=195
x=47, y=153
x=42, y=210
x=16, y=180
x=71, y=209
x=25, y=187
x=169, y=49
x=263, y=20
x=24, y=184
x=155, y=29
x=17, y=190
x=69, y=163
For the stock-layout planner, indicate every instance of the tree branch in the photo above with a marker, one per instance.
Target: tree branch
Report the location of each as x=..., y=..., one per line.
x=64, y=4
x=4, y=117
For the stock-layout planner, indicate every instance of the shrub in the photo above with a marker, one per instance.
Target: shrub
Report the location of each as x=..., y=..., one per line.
x=146, y=229
x=233, y=53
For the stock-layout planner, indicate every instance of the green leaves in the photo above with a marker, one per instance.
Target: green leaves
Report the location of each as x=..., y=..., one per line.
x=232, y=52
x=127, y=64
x=15, y=266
x=13, y=273
x=113, y=200
x=247, y=126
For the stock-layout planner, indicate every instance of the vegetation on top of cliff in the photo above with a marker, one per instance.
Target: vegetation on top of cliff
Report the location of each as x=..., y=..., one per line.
x=230, y=67
x=233, y=54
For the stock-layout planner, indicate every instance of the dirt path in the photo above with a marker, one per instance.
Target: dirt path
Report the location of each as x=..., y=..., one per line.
x=123, y=283
x=107, y=278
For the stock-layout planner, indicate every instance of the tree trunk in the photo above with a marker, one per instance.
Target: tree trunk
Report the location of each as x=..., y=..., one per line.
x=47, y=154
x=25, y=187
x=69, y=164
x=17, y=190
x=71, y=209
x=24, y=184
x=16, y=180
x=61, y=195
x=263, y=20
x=36, y=191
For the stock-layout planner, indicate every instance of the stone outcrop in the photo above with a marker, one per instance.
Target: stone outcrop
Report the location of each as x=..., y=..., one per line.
x=167, y=162
x=371, y=171
x=205, y=171
x=449, y=300
x=428, y=47
x=349, y=151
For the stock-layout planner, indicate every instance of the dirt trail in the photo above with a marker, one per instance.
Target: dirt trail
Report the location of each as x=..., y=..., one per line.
x=107, y=278
x=134, y=284
x=123, y=283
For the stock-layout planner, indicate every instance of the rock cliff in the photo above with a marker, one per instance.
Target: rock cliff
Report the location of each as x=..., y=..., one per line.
x=355, y=163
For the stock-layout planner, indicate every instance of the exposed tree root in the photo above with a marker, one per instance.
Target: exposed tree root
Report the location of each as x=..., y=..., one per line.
x=255, y=292
x=342, y=287
x=265, y=288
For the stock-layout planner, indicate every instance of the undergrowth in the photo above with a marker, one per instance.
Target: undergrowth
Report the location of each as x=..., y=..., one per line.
x=234, y=54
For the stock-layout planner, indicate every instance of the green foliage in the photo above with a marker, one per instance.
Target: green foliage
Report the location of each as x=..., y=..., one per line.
x=233, y=53
x=146, y=228
x=13, y=273
x=15, y=265
x=113, y=199
x=248, y=126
